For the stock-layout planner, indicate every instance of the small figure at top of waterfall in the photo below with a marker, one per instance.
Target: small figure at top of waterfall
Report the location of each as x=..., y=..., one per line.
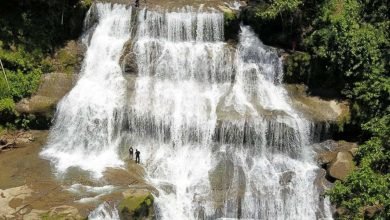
x=137, y=158
x=131, y=153
x=136, y=3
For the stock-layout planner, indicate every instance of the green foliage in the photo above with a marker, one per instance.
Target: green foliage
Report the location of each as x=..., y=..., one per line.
x=39, y=24
x=352, y=50
x=23, y=71
x=85, y=4
x=278, y=7
x=24, y=84
x=229, y=16
x=297, y=67
x=361, y=190
x=7, y=105
x=67, y=60
x=379, y=127
x=7, y=110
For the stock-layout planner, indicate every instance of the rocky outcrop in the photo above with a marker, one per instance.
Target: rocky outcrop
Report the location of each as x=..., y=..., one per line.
x=370, y=211
x=336, y=157
x=341, y=166
x=227, y=182
x=53, y=87
x=329, y=117
x=318, y=109
x=221, y=176
x=128, y=59
x=69, y=58
x=137, y=204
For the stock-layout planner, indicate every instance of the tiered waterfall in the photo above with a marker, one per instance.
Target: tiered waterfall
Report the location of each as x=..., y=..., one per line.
x=218, y=135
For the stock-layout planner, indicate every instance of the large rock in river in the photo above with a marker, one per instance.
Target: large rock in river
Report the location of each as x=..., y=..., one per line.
x=137, y=204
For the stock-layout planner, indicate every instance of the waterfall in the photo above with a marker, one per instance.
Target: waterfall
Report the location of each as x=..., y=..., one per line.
x=218, y=135
x=216, y=128
x=86, y=129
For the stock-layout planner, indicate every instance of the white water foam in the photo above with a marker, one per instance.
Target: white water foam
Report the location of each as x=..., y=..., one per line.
x=90, y=193
x=104, y=211
x=85, y=132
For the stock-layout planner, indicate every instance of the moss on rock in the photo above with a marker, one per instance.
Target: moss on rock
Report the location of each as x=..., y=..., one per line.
x=231, y=22
x=137, y=205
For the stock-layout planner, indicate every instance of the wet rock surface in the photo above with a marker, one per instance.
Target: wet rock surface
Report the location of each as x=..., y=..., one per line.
x=128, y=59
x=136, y=204
x=315, y=108
x=336, y=157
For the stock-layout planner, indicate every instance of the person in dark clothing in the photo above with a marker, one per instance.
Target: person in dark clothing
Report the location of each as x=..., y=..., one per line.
x=136, y=3
x=137, y=158
x=131, y=152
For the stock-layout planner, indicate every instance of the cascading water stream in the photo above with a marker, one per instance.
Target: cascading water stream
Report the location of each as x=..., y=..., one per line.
x=104, y=212
x=218, y=135
x=86, y=129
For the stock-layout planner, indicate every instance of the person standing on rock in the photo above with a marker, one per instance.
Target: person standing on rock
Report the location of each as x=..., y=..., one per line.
x=136, y=3
x=131, y=152
x=137, y=156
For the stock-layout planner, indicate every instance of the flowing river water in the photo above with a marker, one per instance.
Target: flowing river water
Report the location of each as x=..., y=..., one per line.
x=218, y=135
